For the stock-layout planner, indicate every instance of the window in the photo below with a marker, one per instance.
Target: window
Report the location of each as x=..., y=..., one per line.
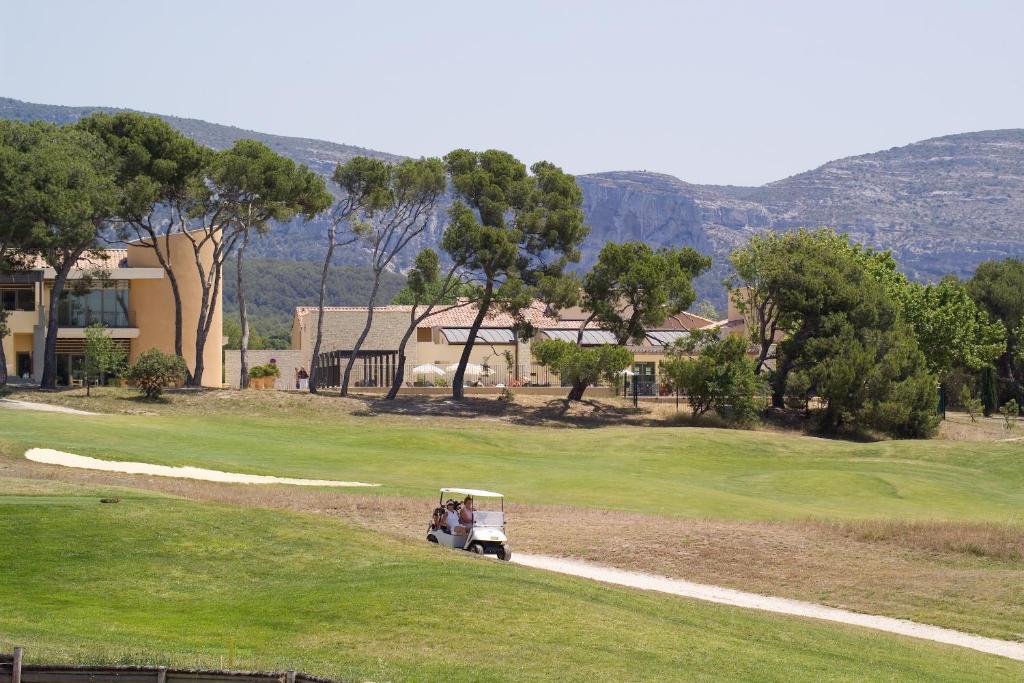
x=22, y=299
x=108, y=305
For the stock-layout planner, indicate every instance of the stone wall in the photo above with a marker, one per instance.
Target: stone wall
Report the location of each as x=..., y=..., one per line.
x=288, y=360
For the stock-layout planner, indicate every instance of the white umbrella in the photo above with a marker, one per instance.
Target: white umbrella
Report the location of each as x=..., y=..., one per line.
x=428, y=369
x=472, y=369
x=627, y=372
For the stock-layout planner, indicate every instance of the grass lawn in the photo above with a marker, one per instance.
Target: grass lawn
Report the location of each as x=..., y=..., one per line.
x=157, y=579
x=693, y=472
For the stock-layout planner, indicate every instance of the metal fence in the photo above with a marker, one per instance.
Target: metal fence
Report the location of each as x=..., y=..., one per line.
x=13, y=670
x=377, y=369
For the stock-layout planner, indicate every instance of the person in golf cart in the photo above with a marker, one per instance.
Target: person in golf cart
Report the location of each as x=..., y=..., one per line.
x=449, y=519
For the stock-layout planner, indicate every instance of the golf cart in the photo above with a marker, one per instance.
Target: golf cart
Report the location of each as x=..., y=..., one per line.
x=486, y=536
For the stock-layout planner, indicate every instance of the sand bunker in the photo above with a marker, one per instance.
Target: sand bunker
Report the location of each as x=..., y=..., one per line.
x=49, y=456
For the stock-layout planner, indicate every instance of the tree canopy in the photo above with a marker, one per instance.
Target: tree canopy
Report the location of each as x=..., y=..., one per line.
x=633, y=287
x=511, y=229
x=582, y=366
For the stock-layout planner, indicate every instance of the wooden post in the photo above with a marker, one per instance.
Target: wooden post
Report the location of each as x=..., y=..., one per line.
x=290, y=676
x=161, y=674
x=16, y=666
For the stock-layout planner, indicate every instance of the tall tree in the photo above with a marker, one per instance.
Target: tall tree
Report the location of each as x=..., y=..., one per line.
x=512, y=229
x=160, y=172
x=997, y=287
x=257, y=186
x=364, y=182
x=633, y=287
x=66, y=193
x=413, y=189
x=426, y=293
x=843, y=336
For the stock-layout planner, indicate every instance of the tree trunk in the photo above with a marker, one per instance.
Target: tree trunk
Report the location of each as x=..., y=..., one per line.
x=458, y=391
x=396, y=383
x=168, y=265
x=197, y=373
x=49, y=379
x=362, y=335
x=243, y=319
x=314, y=369
x=576, y=393
x=779, y=381
x=3, y=359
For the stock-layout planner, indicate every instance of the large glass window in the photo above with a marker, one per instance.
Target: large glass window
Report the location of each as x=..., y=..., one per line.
x=107, y=305
x=21, y=299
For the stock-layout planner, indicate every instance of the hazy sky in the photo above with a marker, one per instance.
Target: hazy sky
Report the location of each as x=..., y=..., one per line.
x=711, y=92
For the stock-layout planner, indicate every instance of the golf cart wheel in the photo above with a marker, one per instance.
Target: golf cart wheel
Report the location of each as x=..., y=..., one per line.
x=505, y=553
x=431, y=538
x=477, y=549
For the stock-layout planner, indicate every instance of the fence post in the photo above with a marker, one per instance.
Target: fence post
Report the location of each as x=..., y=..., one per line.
x=16, y=666
x=290, y=676
x=161, y=674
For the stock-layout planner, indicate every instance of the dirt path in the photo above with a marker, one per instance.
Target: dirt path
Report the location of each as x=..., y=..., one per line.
x=49, y=456
x=728, y=596
x=12, y=404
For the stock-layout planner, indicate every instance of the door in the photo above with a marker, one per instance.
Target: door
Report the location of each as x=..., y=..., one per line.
x=643, y=375
x=23, y=364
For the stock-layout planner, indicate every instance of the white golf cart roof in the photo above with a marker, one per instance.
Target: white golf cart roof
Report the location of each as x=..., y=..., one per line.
x=476, y=493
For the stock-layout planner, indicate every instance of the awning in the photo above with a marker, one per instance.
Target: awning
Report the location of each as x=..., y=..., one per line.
x=21, y=277
x=488, y=335
x=590, y=337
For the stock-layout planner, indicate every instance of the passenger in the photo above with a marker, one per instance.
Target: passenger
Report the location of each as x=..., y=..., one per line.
x=439, y=520
x=466, y=513
x=454, y=525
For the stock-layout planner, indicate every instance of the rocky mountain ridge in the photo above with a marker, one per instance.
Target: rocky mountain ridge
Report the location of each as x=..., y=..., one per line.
x=942, y=205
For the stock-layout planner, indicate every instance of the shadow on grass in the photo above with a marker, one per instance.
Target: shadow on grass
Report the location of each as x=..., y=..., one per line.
x=557, y=412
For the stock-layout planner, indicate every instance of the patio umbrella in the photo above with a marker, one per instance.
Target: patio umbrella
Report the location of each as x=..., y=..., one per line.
x=428, y=369
x=472, y=369
x=627, y=372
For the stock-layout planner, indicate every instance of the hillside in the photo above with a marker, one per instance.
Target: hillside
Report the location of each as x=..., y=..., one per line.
x=942, y=205
x=298, y=284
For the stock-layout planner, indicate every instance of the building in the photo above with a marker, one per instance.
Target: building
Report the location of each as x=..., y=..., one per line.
x=498, y=357
x=125, y=289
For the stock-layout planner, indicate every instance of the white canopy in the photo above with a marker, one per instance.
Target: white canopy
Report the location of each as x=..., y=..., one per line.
x=472, y=369
x=428, y=369
x=476, y=493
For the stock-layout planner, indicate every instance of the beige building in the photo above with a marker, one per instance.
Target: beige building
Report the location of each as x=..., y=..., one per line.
x=126, y=290
x=498, y=357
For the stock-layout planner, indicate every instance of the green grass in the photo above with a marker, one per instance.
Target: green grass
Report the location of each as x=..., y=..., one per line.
x=156, y=579
x=676, y=471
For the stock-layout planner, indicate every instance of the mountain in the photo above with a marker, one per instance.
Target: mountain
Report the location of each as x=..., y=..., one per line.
x=942, y=205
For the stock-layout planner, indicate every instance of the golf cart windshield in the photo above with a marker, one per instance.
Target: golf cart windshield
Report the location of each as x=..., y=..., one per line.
x=488, y=518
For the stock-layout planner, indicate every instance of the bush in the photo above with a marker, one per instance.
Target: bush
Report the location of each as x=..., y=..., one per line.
x=153, y=370
x=720, y=377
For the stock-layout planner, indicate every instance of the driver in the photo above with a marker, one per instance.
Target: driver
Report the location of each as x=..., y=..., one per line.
x=466, y=513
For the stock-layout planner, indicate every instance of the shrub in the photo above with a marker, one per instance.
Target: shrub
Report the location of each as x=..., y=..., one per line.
x=153, y=370
x=720, y=377
x=1010, y=411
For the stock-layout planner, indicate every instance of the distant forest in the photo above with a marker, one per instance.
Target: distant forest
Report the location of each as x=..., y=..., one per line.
x=274, y=288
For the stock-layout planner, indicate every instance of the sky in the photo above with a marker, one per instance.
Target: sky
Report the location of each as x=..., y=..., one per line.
x=719, y=92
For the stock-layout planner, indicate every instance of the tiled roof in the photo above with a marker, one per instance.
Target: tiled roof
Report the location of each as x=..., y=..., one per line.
x=105, y=259
x=303, y=310
x=537, y=315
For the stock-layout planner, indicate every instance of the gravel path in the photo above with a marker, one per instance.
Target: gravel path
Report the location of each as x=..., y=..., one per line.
x=12, y=404
x=728, y=596
x=48, y=456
